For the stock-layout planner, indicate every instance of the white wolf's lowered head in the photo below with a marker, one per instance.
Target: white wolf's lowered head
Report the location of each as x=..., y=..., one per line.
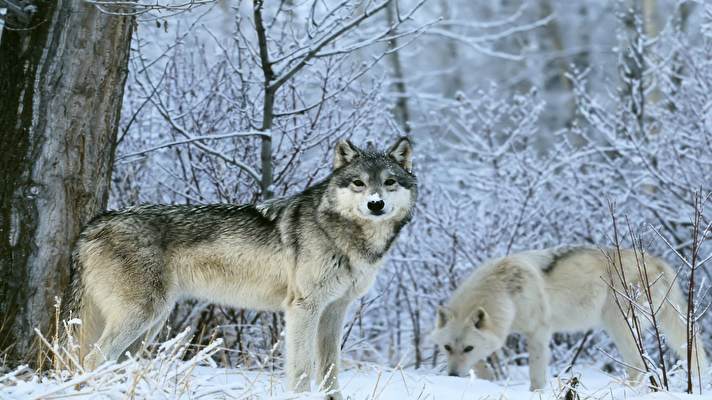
x=466, y=340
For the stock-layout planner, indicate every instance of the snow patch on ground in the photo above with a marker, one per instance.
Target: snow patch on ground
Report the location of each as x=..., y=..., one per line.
x=165, y=374
x=364, y=382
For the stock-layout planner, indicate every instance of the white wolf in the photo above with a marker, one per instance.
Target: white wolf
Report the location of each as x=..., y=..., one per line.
x=310, y=255
x=537, y=293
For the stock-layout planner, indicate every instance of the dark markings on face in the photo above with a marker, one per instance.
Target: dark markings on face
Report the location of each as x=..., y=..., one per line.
x=345, y=179
x=458, y=349
x=372, y=164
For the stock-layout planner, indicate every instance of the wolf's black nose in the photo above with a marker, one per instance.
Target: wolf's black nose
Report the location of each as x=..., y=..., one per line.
x=453, y=374
x=376, y=205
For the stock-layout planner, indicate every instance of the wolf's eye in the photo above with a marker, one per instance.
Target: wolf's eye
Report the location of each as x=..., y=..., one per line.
x=390, y=182
x=448, y=348
x=467, y=349
x=359, y=183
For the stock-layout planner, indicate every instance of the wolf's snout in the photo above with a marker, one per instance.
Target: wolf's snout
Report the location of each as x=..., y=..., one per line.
x=376, y=205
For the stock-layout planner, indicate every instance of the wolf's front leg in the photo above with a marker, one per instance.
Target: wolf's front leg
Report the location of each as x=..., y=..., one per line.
x=483, y=371
x=329, y=346
x=302, y=318
x=539, y=355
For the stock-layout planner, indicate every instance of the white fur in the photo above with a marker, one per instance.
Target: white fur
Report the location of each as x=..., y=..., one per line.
x=374, y=197
x=514, y=294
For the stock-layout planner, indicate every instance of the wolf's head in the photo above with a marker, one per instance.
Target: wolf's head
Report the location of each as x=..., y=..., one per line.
x=373, y=185
x=465, y=339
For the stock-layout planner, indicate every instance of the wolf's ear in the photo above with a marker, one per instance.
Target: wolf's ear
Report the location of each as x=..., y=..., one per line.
x=444, y=315
x=480, y=318
x=344, y=153
x=402, y=152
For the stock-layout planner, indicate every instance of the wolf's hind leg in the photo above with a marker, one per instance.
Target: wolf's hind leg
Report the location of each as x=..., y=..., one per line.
x=119, y=333
x=675, y=329
x=329, y=336
x=616, y=327
x=140, y=344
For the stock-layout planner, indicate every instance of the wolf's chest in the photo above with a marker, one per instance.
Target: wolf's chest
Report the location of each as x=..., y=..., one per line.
x=360, y=277
x=356, y=260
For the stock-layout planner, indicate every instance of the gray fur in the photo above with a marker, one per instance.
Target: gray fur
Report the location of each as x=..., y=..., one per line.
x=310, y=255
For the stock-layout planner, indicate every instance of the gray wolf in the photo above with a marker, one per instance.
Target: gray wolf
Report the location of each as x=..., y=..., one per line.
x=537, y=293
x=309, y=255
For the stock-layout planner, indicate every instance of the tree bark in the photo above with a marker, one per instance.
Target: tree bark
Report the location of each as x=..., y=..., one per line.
x=402, y=112
x=453, y=81
x=62, y=80
x=267, y=105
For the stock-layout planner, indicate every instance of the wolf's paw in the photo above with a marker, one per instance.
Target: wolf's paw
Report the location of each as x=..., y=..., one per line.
x=334, y=396
x=536, y=388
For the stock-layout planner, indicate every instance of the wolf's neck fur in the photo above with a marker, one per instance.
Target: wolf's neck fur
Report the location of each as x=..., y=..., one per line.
x=362, y=241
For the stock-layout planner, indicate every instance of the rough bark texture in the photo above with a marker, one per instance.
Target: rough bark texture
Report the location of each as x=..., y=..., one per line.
x=267, y=105
x=402, y=112
x=62, y=83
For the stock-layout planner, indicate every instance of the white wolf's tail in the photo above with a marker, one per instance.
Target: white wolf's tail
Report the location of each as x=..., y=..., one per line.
x=672, y=322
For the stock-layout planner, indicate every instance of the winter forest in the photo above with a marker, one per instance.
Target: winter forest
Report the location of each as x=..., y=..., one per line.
x=534, y=124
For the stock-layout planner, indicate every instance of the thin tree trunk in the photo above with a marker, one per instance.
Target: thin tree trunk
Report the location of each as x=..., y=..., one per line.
x=267, y=105
x=63, y=73
x=402, y=111
x=650, y=26
x=561, y=63
x=681, y=25
x=632, y=66
x=453, y=80
x=553, y=31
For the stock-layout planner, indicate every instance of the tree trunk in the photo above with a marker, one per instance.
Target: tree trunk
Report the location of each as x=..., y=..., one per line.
x=402, y=113
x=63, y=71
x=268, y=103
x=453, y=81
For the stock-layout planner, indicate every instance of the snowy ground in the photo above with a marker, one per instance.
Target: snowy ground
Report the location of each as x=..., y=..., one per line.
x=165, y=375
x=365, y=382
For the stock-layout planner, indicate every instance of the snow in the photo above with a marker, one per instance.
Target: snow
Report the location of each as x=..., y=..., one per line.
x=364, y=381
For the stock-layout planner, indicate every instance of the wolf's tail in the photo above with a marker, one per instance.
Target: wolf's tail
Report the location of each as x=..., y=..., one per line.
x=672, y=321
x=78, y=314
x=71, y=300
